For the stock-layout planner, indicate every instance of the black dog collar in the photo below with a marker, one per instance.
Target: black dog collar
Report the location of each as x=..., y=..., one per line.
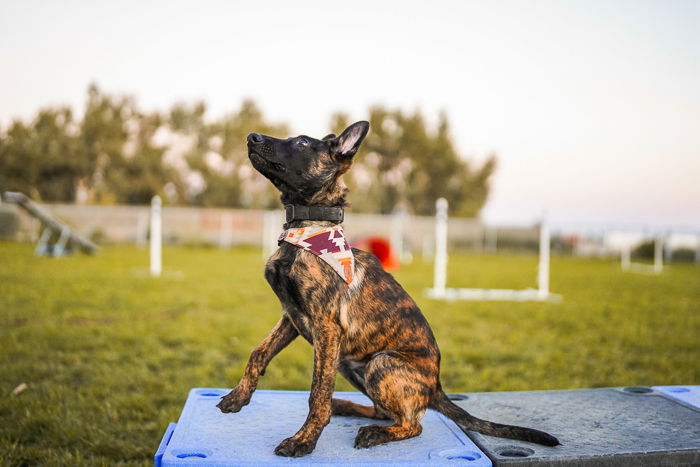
x=295, y=212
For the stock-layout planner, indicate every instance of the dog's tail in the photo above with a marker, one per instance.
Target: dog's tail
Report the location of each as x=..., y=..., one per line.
x=461, y=417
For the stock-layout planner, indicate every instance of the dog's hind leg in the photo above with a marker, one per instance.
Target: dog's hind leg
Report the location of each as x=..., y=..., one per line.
x=351, y=409
x=399, y=389
x=355, y=375
x=281, y=335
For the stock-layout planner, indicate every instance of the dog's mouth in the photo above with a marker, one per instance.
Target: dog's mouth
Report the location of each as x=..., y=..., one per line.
x=256, y=158
x=260, y=161
x=270, y=169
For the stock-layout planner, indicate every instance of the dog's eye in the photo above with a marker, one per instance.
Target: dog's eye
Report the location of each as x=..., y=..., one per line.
x=303, y=141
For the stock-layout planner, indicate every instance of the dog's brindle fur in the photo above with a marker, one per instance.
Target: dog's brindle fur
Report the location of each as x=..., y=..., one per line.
x=370, y=331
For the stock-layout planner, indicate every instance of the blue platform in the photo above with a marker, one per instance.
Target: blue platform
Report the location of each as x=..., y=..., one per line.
x=206, y=437
x=687, y=394
x=633, y=426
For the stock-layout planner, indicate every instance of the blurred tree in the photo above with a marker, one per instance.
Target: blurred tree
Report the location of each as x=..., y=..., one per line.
x=103, y=132
x=126, y=165
x=219, y=155
x=119, y=154
x=19, y=165
x=43, y=158
x=404, y=164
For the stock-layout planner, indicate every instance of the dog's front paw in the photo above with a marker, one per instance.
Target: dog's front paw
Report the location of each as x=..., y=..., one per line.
x=233, y=401
x=293, y=447
x=371, y=435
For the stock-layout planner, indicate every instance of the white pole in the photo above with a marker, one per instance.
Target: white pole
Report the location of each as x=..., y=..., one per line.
x=625, y=254
x=156, y=237
x=440, y=277
x=543, y=268
x=658, y=254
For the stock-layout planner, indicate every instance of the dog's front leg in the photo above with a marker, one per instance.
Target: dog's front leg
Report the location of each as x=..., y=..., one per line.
x=281, y=335
x=326, y=352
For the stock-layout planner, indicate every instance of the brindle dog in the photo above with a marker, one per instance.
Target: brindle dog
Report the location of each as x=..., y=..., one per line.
x=371, y=331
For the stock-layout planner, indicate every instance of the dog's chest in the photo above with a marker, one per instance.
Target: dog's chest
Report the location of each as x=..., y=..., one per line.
x=306, y=287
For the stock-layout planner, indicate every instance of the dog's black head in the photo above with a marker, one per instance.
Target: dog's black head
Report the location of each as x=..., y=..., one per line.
x=307, y=170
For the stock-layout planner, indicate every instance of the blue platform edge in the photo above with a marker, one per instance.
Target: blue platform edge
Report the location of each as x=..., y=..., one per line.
x=158, y=457
x=689, y=395
x=205, y=437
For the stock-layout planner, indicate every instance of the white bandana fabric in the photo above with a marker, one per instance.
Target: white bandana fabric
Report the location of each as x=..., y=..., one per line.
x=328, y=243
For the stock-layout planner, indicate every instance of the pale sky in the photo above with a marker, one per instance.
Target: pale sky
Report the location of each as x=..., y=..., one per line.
x=593, y=107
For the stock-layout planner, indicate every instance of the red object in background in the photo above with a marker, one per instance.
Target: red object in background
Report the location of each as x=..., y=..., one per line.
x=381, y=248
x=571, y=240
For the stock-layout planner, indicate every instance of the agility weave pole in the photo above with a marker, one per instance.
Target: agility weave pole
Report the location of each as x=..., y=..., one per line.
x=441, y=292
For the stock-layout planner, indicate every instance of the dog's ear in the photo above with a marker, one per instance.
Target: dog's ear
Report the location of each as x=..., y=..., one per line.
x=346, y=145
x=328, y=136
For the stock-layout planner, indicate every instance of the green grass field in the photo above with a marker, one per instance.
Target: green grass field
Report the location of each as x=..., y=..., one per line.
x=109, y=354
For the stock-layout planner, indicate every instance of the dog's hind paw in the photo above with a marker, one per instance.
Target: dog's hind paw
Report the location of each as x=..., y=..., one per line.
x=292, y=447
x=371, y=435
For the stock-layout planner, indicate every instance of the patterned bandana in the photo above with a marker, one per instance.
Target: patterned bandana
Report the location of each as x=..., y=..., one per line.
x=328, y=243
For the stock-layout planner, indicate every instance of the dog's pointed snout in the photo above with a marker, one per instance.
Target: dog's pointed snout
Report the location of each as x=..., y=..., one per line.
x=255, y=138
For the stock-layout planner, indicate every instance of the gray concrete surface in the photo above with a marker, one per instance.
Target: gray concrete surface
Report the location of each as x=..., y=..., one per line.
x=597, y=427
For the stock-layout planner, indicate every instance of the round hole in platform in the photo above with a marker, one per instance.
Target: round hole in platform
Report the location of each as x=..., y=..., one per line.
x=467, y=456
x=457, y=397
x=210, y=393
x=638, y=390
x=190, y=455
x=678, y=390
x=458, y=454
x=514, y=451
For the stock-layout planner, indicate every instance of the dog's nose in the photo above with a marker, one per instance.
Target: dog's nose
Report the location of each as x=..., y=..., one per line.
x=255, y=138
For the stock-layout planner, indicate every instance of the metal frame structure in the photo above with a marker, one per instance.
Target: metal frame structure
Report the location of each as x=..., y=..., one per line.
x=441, y=292
x=657, y=268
